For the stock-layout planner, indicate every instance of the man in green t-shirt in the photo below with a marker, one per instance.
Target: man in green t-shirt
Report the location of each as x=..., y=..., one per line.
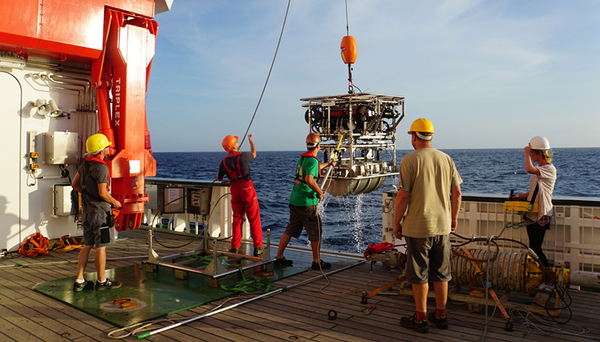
x=303, y=204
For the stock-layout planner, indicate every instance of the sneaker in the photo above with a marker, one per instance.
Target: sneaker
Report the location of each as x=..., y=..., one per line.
x=324, y=265
x=412, y=323
x=440, y=321
x=108, y=285
x=86, y=285
x=258, y=251
x=283, y=262
x=233, y=250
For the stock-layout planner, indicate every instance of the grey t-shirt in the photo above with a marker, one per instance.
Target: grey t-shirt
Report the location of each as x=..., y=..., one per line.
x=91, y=174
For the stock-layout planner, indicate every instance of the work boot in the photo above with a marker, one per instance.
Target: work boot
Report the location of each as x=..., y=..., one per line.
x=440, y=321
x=324, y=265
x=412, y=323
x=107, y=285
x=85, y=285
x=258, y=251
x=283, y=262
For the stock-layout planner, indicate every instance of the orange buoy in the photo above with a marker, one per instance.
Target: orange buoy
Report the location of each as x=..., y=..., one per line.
x=349, y=49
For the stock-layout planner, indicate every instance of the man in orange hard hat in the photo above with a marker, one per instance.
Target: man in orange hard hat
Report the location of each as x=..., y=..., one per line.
x=303, y=204
x=430, y=187
x=243, y=196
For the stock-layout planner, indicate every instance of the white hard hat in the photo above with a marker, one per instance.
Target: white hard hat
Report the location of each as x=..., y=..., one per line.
x=539, y=143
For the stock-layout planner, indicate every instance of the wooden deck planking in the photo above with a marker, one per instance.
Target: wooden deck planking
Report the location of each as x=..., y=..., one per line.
x=299, y=313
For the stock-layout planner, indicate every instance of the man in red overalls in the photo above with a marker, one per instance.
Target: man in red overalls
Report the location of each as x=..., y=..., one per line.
x=243, y=196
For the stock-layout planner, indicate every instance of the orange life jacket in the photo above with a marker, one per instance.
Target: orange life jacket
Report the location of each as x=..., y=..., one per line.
x=39, y=242
x=67, y=243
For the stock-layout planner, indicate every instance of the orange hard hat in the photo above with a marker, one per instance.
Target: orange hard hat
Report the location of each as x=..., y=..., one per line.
x=229, y=142
x=313, y=138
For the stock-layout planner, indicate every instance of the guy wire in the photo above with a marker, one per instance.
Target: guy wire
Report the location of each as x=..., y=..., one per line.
x=270, y=70
x=347, y=26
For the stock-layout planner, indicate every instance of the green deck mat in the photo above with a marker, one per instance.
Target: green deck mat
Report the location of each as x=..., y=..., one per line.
x=159, y=294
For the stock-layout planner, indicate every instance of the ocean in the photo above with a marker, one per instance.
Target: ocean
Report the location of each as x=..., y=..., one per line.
x=351, y=223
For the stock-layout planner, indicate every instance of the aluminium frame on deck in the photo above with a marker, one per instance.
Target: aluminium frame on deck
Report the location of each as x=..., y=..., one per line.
x=216, y=271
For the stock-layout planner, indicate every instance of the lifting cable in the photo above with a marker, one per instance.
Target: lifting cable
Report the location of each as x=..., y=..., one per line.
x=325, y=187
x=270, y=70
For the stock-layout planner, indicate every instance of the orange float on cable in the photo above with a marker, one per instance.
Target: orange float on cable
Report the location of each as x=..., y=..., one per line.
x=349, y=49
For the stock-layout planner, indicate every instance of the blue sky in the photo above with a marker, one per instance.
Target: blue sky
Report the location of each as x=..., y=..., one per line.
x=488, y=74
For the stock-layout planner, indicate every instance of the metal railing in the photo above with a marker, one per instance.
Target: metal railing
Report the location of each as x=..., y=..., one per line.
x=573, y=239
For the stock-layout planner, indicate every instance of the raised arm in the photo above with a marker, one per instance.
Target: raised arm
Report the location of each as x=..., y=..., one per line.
x=529, y=167
x=252, y=148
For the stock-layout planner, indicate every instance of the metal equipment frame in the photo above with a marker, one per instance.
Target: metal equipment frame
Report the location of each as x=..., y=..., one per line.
x=216, y=271
x=366, y=125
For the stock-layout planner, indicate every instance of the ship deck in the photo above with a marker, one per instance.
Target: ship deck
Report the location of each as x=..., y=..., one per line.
x=300, y=313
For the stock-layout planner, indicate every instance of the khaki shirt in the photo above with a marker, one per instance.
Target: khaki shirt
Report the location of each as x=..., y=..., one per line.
x=429, y=175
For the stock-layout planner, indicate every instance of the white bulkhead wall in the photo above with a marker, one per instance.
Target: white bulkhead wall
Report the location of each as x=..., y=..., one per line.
x=26, y=198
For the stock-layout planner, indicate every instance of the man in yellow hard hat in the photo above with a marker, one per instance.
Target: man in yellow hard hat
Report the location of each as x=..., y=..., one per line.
x=430, y=187
x=243, y=195
x=91, y=181
x=303, y=204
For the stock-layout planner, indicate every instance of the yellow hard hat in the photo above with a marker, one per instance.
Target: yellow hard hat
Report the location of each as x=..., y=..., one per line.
x=421, y=125
x=96, y=143
x=229, y=142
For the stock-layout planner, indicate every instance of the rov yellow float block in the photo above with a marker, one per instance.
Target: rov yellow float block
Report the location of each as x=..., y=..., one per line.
x=520, y=206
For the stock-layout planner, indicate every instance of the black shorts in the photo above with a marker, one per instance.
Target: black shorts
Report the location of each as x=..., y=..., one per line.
x=95, y=230
x=307, y=217
x=428, y=259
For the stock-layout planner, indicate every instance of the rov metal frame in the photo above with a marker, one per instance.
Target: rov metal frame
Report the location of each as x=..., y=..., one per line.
x=366, y=124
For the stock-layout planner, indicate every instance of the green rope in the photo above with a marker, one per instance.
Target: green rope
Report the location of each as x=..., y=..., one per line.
x=249, y=285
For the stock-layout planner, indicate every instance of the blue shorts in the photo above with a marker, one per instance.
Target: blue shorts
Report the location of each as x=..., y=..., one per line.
x=95, y=231
x=428, y=259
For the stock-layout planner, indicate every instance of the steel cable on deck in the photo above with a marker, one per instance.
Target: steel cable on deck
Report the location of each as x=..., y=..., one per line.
x=561, y=292
x=264, y=295
x=532, y=321
x=148, y=326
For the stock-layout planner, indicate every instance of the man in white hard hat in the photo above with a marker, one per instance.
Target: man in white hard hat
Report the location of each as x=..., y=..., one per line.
x=541, y=186
x=430, y=187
